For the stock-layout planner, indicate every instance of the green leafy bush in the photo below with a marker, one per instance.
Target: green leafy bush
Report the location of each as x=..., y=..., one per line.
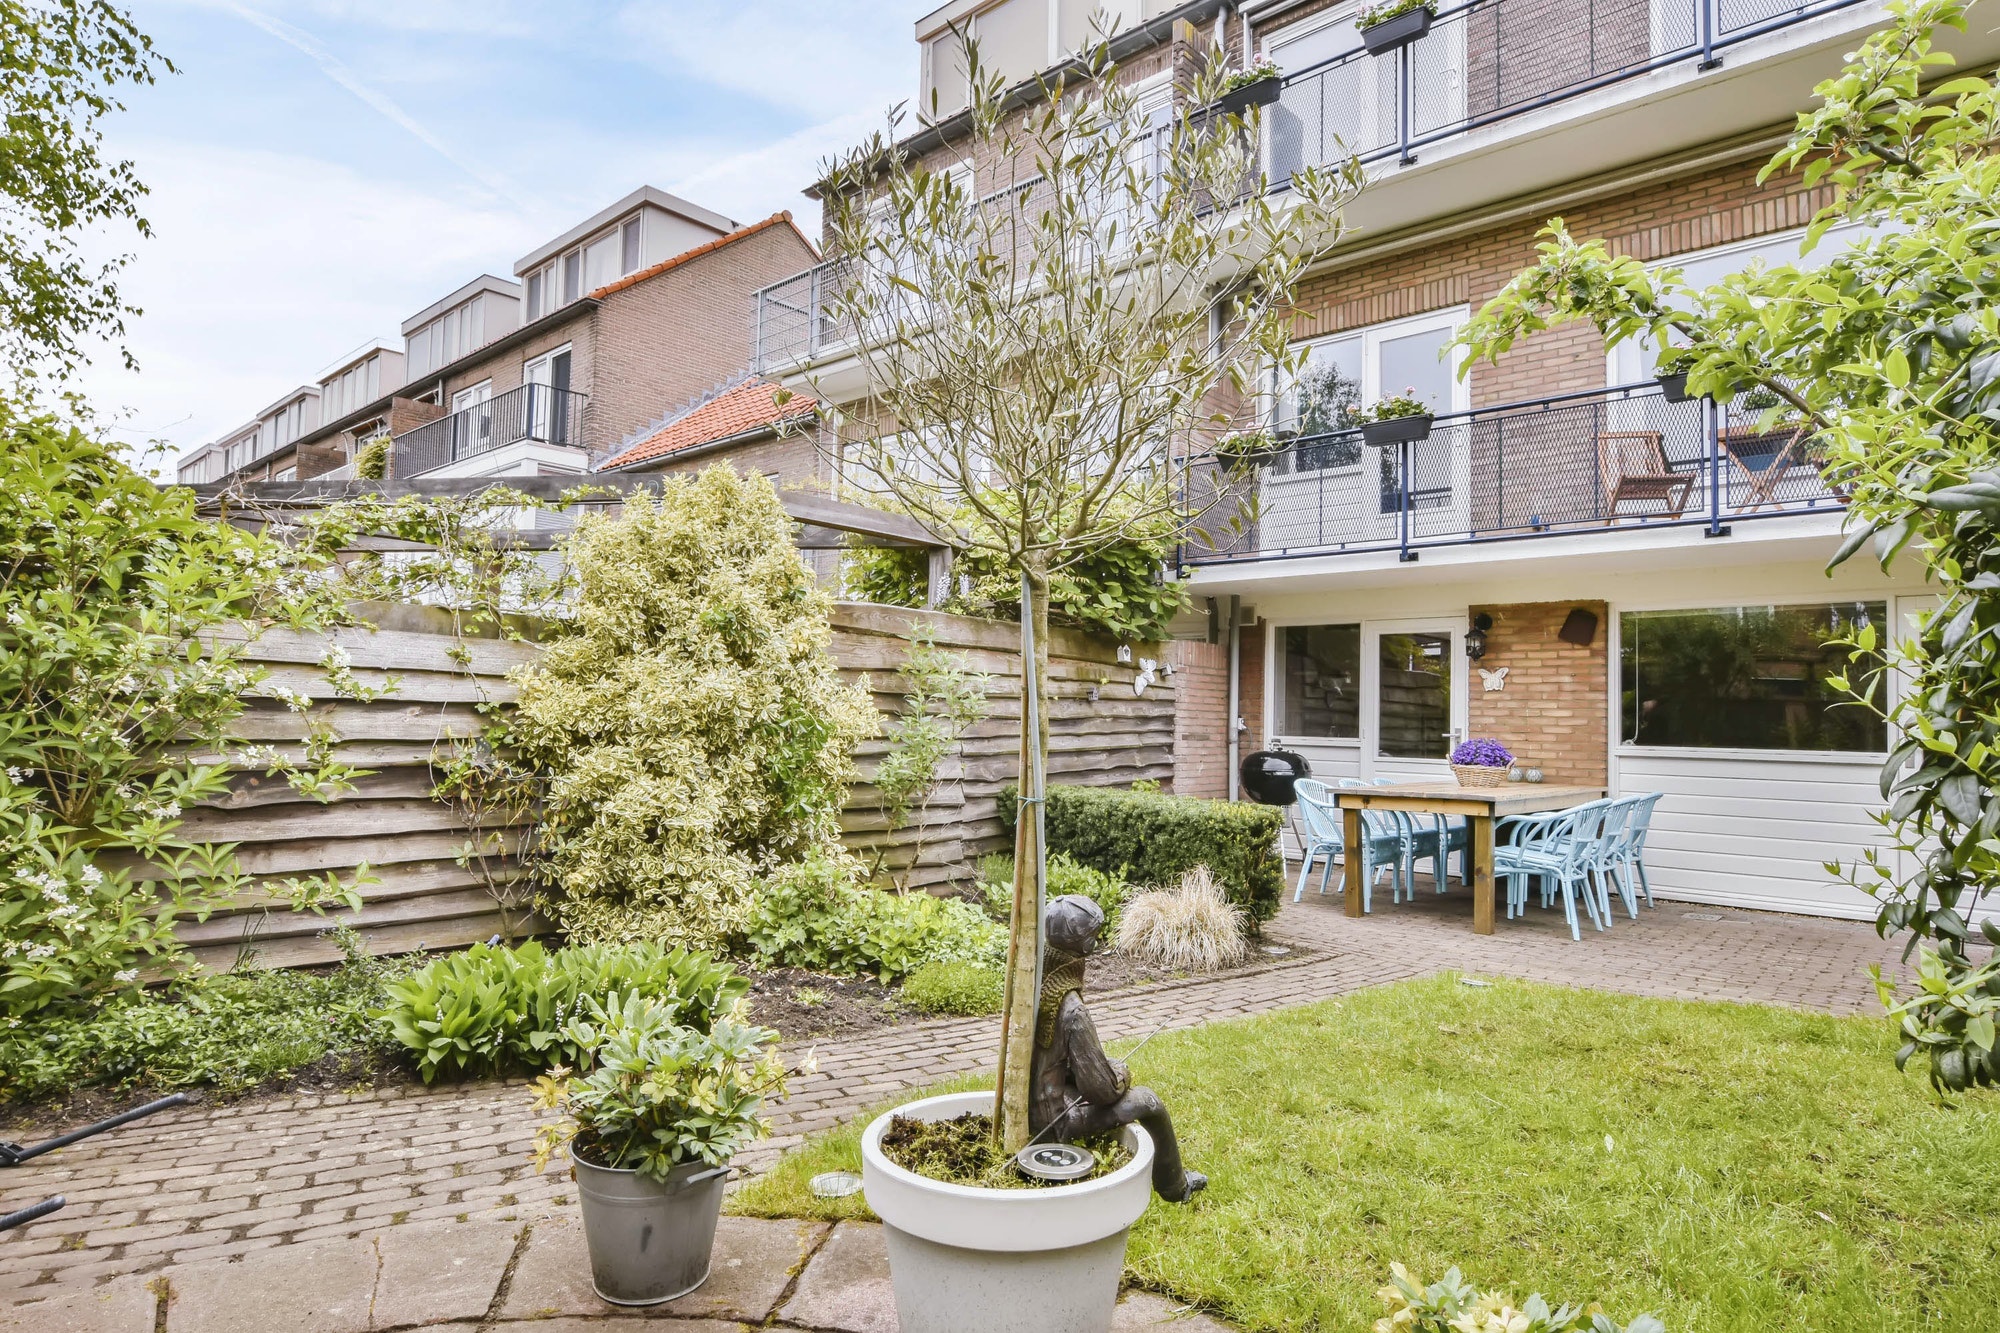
x=231, y=1031
x=690, y=721
x=111, y=591
x=1453, y=1305
x=495, y=1010
x=1065, y=875
x=815, y=916
x=1149, y=838
x=953, y=988
x=659, y=1093
x=371, y=461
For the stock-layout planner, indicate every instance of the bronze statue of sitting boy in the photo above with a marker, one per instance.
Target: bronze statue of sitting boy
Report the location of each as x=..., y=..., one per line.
x=1078, y=1089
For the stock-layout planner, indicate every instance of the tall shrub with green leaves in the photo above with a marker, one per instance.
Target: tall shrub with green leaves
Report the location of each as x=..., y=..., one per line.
x=113, y=686
x=690, y=720
x=1890, y=352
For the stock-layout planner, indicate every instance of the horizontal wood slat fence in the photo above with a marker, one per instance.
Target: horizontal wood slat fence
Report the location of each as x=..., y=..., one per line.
x=410, y=841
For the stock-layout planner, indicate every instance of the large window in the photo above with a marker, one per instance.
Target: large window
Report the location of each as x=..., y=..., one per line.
x=1747, y=678
x=1322, y=681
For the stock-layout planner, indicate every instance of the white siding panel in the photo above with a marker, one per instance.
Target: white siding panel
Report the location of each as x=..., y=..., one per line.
x=1754, y=831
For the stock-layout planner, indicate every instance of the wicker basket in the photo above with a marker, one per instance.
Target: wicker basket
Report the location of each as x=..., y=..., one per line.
x=1474, y=775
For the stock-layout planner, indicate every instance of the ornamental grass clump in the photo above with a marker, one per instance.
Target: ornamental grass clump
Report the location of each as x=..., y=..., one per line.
x=691, y=724
x=1191, y=927
x=658, y=1095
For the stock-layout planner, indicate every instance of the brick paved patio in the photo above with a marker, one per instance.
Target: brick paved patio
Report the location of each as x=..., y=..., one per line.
x=226, y=1181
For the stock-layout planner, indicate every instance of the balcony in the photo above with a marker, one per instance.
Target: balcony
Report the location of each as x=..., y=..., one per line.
x=533, y=413
x=1609, y=459
x=1488, y=61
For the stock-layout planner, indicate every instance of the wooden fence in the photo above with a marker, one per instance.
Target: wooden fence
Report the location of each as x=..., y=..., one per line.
x=422, y=896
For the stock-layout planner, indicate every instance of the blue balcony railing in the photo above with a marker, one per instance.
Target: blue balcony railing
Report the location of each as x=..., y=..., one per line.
x=1613, y=458
x=540, y=413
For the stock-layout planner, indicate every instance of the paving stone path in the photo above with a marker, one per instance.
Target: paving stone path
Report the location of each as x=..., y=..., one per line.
x=227, y=1182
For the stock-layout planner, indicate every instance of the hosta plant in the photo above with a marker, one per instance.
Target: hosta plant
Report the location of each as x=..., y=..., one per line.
x=497, y=1010
x=658, y=1094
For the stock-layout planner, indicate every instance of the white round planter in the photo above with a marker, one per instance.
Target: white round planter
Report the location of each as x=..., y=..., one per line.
x=968, y=1260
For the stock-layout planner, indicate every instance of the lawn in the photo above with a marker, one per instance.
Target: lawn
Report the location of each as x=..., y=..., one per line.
x=1727, y=1167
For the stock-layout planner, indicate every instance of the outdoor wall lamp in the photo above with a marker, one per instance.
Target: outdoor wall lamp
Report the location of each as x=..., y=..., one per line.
x=1475, y=638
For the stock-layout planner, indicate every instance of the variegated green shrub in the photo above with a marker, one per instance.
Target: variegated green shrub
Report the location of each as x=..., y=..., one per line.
x=693, y=727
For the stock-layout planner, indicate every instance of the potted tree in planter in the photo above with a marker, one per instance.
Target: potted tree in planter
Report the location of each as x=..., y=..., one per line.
x=1396, y=23
x=1403, y=419
x=649, y=1131
x=1049, y=384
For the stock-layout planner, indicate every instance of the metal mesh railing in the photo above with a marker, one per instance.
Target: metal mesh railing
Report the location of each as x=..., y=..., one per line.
x=1487, y=60
x=1624, y=457
x=538, y=412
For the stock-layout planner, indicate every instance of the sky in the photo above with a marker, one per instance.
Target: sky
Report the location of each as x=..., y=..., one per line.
x=323, y=169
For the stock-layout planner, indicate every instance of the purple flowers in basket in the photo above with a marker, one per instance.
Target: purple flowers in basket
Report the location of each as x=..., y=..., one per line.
x=1482, y=752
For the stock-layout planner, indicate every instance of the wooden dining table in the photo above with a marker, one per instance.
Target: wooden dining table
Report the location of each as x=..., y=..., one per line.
x=1478, y=806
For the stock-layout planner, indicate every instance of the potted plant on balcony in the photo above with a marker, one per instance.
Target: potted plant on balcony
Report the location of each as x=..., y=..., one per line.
x=649, y=1131
x=1244, y=88
x=1403, y=419
x=1481, y=762
x=1241, y=451
x=1395, y=23
x=1672, y=373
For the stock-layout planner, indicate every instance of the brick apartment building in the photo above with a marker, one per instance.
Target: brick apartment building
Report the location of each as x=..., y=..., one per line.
x=1499, y=578
x=600, y=332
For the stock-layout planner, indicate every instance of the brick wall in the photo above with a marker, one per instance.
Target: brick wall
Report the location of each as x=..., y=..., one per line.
x=1551, y=710
x=664, y=340
x=1706, y=208
x=1201, y=734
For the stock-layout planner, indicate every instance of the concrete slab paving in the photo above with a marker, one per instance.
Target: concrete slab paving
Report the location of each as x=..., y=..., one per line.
x=323, y=1288
x=123, y=1305
x=845, y=1288
x=753, y=1263
x=438, y=1272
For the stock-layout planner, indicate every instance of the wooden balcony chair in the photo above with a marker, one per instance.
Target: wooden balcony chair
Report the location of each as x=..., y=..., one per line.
x=1765, y=458
x=1633, y=465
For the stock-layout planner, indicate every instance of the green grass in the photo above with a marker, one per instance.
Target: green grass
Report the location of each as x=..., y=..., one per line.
x=1727, y=1167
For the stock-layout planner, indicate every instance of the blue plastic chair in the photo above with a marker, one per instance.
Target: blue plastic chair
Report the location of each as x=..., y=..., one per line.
x=1322, y=835
x=1560, y=847
x=1384, y=846
x=1607, y=856
x=1633, y=858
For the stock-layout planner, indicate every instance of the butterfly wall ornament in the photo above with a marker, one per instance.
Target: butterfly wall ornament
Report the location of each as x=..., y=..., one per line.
x=1145, y=677
x=1494, y=680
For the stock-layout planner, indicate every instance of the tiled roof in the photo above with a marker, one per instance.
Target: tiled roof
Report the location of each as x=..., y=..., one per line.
x=686, y=256
x=745, y=408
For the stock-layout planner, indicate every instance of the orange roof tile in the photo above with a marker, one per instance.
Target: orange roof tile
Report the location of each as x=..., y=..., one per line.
x=737, y=411
x=685, y=256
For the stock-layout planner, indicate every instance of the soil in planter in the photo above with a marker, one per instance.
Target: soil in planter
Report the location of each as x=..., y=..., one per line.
x=961, y=1151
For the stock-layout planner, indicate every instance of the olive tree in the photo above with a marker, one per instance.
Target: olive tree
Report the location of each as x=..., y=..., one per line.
x=1890, y=351
x=1043, y=340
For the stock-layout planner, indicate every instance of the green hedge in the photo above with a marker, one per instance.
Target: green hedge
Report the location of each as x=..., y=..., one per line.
x=1154, y=839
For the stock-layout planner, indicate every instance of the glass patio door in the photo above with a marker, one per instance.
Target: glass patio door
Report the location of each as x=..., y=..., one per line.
x=1413, y=699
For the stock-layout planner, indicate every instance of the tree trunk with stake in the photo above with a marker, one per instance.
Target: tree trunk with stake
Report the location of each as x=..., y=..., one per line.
x=1021, y=998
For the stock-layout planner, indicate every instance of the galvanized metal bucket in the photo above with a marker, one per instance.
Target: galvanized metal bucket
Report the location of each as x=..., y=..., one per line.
x=649, y=1240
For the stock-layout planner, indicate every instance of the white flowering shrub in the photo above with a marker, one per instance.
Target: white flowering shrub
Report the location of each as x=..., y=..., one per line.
x=689, y=723
x=107, y=585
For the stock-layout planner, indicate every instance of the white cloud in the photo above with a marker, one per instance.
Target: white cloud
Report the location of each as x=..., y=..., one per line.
x=827, y=60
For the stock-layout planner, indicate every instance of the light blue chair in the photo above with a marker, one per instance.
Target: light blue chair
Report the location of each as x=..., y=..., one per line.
x=1321, y=831
x=1432, y=838
x=1632, y=859
x=1383, y=846
x=1607, y=856
x=1560, y=847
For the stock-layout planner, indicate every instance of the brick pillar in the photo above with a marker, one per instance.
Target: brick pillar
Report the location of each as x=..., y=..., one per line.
x=1553, y=708
x=1201, y=703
